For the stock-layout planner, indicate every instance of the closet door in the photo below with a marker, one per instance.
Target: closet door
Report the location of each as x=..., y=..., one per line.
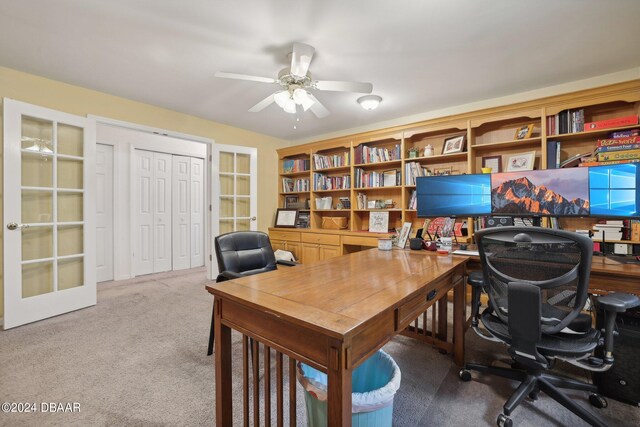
x=181, y=229
x=197, y=212
x=152, y=207
x=104, y=212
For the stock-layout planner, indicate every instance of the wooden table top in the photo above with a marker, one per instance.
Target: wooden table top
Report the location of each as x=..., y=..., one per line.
x=338, y=295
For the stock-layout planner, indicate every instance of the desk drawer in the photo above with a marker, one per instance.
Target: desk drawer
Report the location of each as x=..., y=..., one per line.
x=360, y=241
x=292, y=236
x=408, y=311
x=322, y=239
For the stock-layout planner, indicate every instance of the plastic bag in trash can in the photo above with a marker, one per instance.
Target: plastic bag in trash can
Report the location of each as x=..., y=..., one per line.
x=372, y=387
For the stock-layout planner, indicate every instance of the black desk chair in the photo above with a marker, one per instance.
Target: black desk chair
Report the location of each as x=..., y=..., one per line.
x=537, y=281
x=239, y=254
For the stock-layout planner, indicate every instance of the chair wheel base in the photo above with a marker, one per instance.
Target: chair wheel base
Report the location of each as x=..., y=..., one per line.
x=504, y=421
x=598, y=401
x=464, y=375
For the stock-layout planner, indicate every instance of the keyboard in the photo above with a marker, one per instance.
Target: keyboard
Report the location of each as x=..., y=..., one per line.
x=467, y=253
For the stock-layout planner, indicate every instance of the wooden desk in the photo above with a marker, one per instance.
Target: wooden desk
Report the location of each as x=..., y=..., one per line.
x=331, y=315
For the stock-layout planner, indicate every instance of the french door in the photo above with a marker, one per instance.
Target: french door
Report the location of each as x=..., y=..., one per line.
x=234, y=192
x=49, y=210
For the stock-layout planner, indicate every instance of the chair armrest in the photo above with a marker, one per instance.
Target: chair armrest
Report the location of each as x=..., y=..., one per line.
x=476, y=281
x=618, y=302
x=287, y=263
x=227, y=275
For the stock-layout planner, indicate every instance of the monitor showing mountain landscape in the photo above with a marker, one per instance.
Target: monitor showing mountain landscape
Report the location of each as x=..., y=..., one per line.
x=614, y=190
x=453, y=195
x=551, y=192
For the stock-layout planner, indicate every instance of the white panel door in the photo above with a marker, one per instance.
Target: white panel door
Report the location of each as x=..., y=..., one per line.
x=162, y=212
x=104, y=212
x=143, y=212
x=49, y=209
x=197, y=212
x=181, y=210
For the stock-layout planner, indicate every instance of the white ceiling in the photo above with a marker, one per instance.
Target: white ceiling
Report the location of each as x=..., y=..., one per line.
x=420, y=55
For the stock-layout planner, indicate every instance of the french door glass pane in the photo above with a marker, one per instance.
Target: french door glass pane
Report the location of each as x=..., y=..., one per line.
x=37, y=170
x=37, y=279
x=226, y=207
x=70, y=207
x=37, y=135
x=243, y=164
x=242, y=207
x=37, y=243
x=226, y=185
x=37, y=206
x=70, y=240
x=226, y=162
x=70, y=173
x=226, y=226
x=242, y=185
x=243, y=225
x=70, y=273
x=70, y=140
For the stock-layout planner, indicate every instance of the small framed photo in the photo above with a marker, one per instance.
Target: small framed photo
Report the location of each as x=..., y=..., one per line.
x=286, y=218
x=493, y=162
x=288, y=200
x=521, y=162
x=443, y=171
x=454, y=144
x=379, y=222
x=404, y=235
x=524, y=132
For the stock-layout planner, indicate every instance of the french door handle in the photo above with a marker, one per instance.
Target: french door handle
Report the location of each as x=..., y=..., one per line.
x=253, y=218
x=15, y=226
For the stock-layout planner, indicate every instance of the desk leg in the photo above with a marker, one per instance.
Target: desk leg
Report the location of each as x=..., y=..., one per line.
x=459, y=295
x=339, y=387
x=224, y=410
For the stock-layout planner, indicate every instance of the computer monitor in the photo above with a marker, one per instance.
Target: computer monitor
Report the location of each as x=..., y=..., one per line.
x=551, y=192
x=453, y=195
x=614, y=190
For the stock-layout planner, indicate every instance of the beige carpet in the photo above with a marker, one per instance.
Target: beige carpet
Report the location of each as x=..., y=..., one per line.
x=138, y=358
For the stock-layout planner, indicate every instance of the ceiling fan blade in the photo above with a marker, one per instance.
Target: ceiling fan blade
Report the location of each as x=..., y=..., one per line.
x=339, y=86
x=301, y=59
x=317, y=108
x=262, y=104
x=244, y=77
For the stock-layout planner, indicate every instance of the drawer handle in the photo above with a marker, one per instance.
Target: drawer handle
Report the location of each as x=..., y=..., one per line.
x=431, y=295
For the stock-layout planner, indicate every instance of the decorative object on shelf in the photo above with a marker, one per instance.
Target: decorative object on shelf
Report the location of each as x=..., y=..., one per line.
x=303, y=220
x=493, y=162
x=414, y=152
x=389, y=204
x=385, y=244
x=379, y=222
x=486, y=170
x=428, y=150
x=339, y=206
x=346, y=202
x=288, y=200
x=334, y=222
x=455, y=144
x=443, y=171
x=521, y=162
x=286, y=218
x=524, y=132
x=404, y=235
x=324, y=203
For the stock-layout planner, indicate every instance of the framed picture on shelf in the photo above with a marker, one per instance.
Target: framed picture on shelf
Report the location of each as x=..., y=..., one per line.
x=521, y=162
x=288, y=200
x=379, y=222
x=404, y=235
x=454, y=144
x=286, y=218
x=524, y=132
x=493, y=162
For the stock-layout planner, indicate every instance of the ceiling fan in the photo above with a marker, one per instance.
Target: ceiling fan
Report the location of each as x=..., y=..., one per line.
x=296, y=83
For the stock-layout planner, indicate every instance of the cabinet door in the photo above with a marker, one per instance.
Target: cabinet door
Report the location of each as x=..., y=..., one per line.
x=278, y=244
x=310, y=252
x=327, y=252
x=294, y=248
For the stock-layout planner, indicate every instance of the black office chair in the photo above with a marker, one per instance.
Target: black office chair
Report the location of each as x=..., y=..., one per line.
x=239, y=254
x=537, y=281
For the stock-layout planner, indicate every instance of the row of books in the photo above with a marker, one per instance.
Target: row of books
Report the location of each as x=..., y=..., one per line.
x=290, y=185
x=412, y=170
x=361, y=199
x=321, y=161
x=295, y=165
x=623, y=149
x=324, y=182
x=413, y=201
x=624, y=229
x=390, y=178
x=366, y=154
x=566, y=121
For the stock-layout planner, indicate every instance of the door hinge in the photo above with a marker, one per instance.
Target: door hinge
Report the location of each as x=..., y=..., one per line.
x=210, y=257
x=210, y=209
x=210, y=158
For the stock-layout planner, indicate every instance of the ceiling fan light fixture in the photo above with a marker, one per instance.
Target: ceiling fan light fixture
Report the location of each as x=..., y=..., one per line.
x=290, y=106
x=281, y=98
x=369, y=102
x=301, y=97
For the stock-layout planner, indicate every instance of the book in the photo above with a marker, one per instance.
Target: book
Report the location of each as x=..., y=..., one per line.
x=389, y=178
x=574, y=160
x=611, y=162
x=625, y=133
x=612, y=142
x=552, y=146
x=619, y=155
x=612, y=123
x=618, y=148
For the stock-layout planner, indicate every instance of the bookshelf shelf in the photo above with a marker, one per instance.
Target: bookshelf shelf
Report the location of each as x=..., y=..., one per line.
x=295, y=174
x=335, y=190
x=378, y=188
x=379, y=164
x=516, y=144
x=333, y=170
x=438, y=158
x=590, y=134
x=289, y=193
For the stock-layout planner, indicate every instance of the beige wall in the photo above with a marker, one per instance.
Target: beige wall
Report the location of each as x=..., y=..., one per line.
x=80, y=101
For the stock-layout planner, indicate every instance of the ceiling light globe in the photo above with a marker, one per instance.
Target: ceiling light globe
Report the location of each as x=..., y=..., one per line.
x=369, y=102
x=290, y=106
x=281, y=98
x=302, y=97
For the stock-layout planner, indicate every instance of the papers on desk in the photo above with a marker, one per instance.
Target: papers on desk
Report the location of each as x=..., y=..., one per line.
x=466, y=253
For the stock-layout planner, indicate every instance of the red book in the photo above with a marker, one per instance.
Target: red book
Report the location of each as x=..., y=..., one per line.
x=612, y=123
x=618, y=141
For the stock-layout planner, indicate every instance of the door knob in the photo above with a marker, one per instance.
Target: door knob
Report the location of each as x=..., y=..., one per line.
x=15, y=226
x=253, y=218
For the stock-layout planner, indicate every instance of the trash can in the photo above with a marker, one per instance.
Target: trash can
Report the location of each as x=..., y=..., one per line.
x=374, y=384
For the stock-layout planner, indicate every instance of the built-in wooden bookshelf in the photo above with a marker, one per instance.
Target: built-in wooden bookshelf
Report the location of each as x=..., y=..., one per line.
x=488, y=133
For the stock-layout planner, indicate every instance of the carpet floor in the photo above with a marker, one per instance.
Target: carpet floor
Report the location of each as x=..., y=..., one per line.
x=138, y=358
